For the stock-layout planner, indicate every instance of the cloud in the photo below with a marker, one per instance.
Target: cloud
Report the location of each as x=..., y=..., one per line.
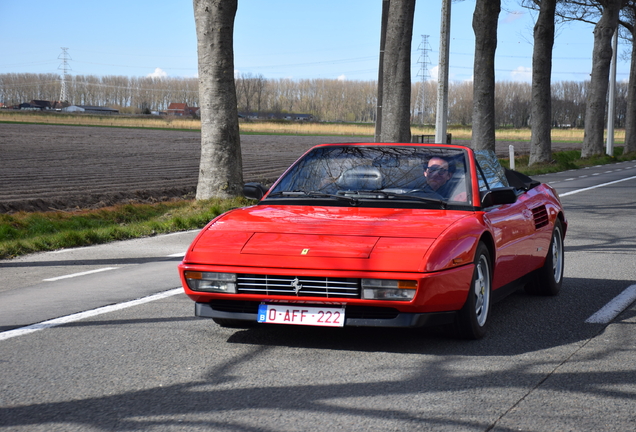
x=434, y=73
x=513, y=16
x=158, y=73
x=522, y=73
x=342, y=78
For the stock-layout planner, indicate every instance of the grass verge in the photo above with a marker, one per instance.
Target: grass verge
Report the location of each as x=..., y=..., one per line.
x=567, y=160
x=23, y=233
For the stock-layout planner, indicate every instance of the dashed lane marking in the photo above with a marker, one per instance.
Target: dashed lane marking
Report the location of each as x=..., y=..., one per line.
x=611, y=310
x=86, y=314
x=68, y=276
x=594, y=187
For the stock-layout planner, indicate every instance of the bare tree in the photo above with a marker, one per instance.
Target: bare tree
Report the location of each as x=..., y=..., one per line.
x=601, y=62
x=541, y=105
x=512, y=104
x=485, y=27
x=460, y=103
x=220, y=170
x=396, y=72
x=604, y=15
x=568, y=103
x=249, y=91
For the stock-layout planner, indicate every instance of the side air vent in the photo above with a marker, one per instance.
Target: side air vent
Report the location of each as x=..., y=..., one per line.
x=540, y=216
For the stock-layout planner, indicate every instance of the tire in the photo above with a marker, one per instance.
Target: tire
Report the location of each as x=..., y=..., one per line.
x=233, y=323
x=548, y=279
x=473, y=317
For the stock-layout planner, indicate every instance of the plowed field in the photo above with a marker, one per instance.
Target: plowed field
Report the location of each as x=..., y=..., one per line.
x=64, y=167
x=46, y=167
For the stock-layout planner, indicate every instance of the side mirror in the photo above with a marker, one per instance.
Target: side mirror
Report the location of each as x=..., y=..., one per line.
x=498, y=196
x=254, y=190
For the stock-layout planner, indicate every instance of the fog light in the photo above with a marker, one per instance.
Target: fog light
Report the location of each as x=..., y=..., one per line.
x=212, y=282
x=388, y=289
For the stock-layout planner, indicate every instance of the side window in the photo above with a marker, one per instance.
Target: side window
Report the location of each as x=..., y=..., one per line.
x=490, y=172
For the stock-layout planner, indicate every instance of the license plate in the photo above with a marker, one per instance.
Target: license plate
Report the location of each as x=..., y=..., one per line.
x=301, y=315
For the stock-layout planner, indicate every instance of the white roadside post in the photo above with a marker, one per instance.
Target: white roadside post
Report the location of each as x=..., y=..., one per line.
x=511, y=153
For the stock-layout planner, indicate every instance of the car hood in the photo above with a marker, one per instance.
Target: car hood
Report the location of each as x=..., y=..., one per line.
x=304, y=237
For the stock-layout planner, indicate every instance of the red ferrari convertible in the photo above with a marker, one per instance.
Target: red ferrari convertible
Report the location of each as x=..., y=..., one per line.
x=391, y=235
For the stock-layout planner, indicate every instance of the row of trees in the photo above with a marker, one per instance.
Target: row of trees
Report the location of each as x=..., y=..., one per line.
x=220, y=173
x=215, y=26
x=609, y=18
x=137, y=93
x=326, y=100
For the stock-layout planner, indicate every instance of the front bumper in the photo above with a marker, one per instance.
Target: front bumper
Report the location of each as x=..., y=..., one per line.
x=355, y=316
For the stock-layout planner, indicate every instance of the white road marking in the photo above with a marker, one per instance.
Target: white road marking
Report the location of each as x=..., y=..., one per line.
x=611, y=310
x=597, y=186
x=86, y=314
x=180, y=232
x=79, y=274
x=176, y=255
x=59, y=251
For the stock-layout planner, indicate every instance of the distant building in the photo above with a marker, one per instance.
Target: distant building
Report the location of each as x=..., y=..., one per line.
x=276, y=116
x=57, y=105
x=181, y=109
x=90, y=109
x=29, y=107
x=44, y=105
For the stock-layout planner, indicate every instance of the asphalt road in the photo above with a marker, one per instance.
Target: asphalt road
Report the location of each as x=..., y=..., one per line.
x=153, y=366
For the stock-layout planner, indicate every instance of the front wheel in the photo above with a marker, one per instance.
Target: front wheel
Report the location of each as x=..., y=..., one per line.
x=473, y=316
x=548, y=279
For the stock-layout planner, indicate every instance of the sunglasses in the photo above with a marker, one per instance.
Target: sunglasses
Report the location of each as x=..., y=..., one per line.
x=436, y=170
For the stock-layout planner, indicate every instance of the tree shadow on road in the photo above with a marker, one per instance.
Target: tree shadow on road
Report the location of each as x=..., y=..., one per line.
x=294, y=378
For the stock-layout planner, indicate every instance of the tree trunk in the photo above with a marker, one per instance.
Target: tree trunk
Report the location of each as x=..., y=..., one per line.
x=541, y=110
x=485, y=27
x=220, y=169
x=599, y=81
x=630, y=118
x=396, y=86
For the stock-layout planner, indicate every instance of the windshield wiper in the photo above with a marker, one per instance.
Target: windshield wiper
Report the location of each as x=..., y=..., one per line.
x=395, y=195
x=311, y=194
x=353, y=197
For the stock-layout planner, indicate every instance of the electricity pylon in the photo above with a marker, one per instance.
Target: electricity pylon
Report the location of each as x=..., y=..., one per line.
x=65, y=68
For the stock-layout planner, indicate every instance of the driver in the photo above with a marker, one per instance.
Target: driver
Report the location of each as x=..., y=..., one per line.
x=437, y=173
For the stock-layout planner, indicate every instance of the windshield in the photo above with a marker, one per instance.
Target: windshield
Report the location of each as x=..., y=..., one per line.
x=424, y=173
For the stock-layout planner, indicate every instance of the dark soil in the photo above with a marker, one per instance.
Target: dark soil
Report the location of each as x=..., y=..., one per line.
x=46, y=167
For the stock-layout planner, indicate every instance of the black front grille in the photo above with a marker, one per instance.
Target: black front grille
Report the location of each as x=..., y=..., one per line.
x=298, y=286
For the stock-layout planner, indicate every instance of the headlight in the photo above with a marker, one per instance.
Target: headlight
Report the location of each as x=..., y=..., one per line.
x=208, y=281
x=388, y=289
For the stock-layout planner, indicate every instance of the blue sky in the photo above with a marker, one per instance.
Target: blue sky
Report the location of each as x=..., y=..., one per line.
x=297, y=39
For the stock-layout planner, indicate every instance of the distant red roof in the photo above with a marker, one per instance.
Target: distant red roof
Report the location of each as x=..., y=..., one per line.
x=178, y=106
